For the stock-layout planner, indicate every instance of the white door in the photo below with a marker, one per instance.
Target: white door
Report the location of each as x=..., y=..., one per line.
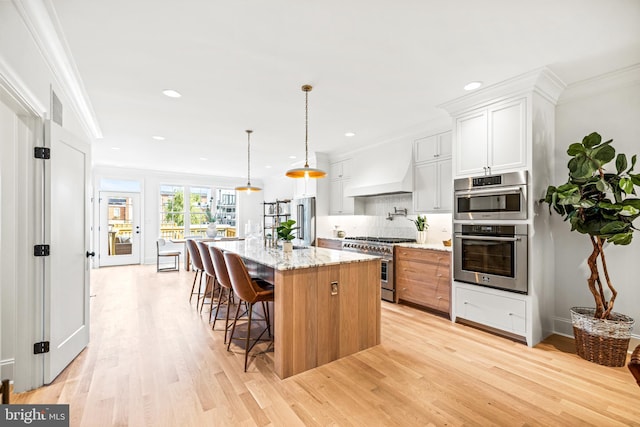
x=66, y=217
x=119, y=228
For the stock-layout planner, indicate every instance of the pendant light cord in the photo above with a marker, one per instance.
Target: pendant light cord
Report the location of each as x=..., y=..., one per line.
x=249, y=158
x=306, y=125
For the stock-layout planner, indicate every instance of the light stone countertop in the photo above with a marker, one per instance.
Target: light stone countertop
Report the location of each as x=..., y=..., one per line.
x=299, y=258
x=432, y=246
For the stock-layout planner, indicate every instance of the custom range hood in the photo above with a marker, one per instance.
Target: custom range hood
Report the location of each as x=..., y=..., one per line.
x=384, y=170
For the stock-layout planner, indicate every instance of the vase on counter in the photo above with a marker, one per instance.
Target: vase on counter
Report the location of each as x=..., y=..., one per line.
x=212, y=231
x=421, y=237
x=287, y=247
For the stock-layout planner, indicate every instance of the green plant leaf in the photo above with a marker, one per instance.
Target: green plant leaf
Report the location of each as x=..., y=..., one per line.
x=626, y=185
x=633, y=163
x=604, y=153
x=575, y=148
x=621, y=238
x=591, y=140
x=610, y=206
x=635, y=178
x=614, y=227
x=621, y=162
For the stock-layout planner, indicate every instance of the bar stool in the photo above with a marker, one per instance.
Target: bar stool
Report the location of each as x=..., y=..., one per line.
x=247, y=290
x=222, y=274
x=198, y=267
x=210, y=282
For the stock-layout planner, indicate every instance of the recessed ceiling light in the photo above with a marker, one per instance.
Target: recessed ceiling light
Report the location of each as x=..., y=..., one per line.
x=292, y=157
x=158, y=138
x=203, y=158
x=472, y=85
x=115, y=148
x=349, y=134
x=268, y=166
x=172, y=93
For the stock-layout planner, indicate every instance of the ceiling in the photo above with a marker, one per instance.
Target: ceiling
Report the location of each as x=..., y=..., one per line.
x=378, y=68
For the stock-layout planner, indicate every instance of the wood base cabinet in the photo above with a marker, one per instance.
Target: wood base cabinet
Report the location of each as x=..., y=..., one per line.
x=423, y=277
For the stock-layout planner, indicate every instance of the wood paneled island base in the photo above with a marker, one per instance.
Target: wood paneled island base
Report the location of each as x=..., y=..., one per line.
x=325, y=313
x=327, y=303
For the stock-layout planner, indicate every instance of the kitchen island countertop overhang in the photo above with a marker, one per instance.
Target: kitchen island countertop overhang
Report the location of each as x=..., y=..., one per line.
x=326, y=306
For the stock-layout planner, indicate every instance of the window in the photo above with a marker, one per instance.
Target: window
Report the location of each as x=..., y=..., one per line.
x=205, y=205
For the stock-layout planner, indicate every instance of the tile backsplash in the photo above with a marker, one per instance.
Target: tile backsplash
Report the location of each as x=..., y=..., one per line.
x=374, y=222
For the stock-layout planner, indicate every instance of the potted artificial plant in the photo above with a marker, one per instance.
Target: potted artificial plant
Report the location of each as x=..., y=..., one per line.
x=421, y=227
x=597, y=200
x=285, y=234
x=212, y=231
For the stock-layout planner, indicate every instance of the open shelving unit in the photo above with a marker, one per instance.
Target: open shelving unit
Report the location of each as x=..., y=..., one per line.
x=273, y=213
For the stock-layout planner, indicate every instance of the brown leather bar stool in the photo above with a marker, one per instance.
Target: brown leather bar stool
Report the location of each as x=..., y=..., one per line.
x=249, y=291
x=198, y=267
x=210, y=283
x=226, y=291
x=634, y=364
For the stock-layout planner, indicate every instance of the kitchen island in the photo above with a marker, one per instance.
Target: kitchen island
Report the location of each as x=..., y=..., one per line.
x=327, y=302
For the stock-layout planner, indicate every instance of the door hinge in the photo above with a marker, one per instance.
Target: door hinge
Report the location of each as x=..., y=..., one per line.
x=41, y=250
x=42, y=153
x=41, y=347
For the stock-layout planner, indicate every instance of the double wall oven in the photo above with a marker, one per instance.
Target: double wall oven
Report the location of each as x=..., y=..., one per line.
x=490, y=231
x=383, y=247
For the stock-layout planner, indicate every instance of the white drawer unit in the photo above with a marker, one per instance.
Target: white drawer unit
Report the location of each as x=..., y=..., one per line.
x=496, y=311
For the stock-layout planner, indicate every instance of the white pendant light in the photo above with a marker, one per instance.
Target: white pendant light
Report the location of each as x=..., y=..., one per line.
x=306, y=171
x=248, y=188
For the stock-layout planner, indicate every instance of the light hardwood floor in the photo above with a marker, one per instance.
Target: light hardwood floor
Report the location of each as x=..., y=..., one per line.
x=154, y=361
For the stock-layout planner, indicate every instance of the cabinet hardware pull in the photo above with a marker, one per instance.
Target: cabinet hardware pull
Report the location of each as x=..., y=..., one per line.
x=466, y=302
x=510, y=314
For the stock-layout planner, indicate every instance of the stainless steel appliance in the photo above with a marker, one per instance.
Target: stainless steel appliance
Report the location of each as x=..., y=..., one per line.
x=491, y=255
x=383, y=247
x=303, y=211
x=493, y=197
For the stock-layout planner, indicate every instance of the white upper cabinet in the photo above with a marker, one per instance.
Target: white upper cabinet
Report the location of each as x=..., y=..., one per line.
x=340, y=170
x=339, y=203
x=432, y=175
x=492, y=139
x=432, y=147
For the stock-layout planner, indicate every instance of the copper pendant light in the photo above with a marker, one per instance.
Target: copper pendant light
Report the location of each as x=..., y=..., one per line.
x=248, y=188
x=306, y=171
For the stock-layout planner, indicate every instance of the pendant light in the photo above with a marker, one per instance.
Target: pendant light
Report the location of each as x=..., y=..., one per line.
x=306, y=171
x=248, y=188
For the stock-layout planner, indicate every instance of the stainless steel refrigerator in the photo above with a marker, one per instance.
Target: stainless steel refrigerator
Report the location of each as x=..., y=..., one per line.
x=303, y=211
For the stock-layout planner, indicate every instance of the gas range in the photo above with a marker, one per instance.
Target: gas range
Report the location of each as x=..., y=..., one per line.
x=382, y=246
x=374, y=245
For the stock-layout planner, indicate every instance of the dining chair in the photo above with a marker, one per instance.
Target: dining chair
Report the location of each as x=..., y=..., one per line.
x=161, y=253
x=210, y=280
x=198, y=267
x=249, y=291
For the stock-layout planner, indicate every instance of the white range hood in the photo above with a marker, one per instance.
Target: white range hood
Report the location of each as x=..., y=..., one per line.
x=383, y=170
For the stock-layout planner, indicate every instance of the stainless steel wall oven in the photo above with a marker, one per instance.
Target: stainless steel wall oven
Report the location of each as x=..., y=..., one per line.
x=494, y=197
x=491, y=255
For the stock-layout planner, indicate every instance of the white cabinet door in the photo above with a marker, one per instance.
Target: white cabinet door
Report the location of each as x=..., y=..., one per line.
x=339, y=204
x=445, y=181
x=507, y=314
x=340, y=170
x=507, y=136
x=425, y=187
x=471, y=144
x=432, y=147
x=433, y=187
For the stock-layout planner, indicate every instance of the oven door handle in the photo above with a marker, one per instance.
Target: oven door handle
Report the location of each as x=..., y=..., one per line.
x=498, y=238
x=489, y=191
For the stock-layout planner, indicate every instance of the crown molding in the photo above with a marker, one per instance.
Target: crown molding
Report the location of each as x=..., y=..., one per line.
x=40, y=18
x=542, y=81
x=20, y=94
x=622, y=77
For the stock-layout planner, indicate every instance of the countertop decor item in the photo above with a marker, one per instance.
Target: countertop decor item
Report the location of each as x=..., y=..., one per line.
x=599, y=201
x=421, y=227
x=285, y=234
x=248, y=188
x=306, y=171
x=447, y=243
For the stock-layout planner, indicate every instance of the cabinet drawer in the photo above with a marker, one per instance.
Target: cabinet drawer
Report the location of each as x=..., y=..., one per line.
x=422, y=255
x=501, y=312
x=329, y=243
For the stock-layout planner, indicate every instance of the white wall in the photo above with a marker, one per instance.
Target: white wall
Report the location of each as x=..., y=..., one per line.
x=608, y=105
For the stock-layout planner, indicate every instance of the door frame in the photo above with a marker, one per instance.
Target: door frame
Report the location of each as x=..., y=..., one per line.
x=104, y=259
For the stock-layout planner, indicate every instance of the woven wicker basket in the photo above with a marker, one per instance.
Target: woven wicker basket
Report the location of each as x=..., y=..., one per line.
x=604, y=342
